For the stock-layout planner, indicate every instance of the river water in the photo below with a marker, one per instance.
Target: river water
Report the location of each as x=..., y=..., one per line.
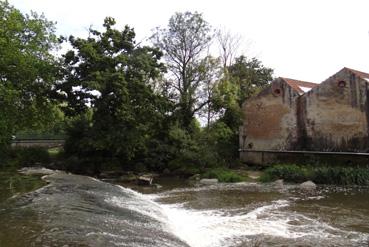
x=81, y=211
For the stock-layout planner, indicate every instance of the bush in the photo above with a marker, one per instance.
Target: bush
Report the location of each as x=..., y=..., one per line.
x=341, y=175
x=223, y=175
x=290, y=173
x=32, y=156
x=25, y=156
x=320, y=175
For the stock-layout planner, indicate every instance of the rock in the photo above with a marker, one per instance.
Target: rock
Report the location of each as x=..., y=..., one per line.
x=36, y=171
x=145, y=180
x=166, y=171
x=127, y=178
x=195, y=177
x=208, y=181
x=279, y=183
x=114, y=174
x=308, y=185
x=157, y=186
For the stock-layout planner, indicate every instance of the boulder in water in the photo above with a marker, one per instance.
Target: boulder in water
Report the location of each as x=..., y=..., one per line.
x=195, y=177
x=279, y=183
x=128, y=178
x=36, y=171
x=145, y=180
x=208, y=181
x=308, y=185
x=157, y=186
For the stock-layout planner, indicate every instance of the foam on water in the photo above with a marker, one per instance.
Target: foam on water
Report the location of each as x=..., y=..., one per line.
x=205, y=228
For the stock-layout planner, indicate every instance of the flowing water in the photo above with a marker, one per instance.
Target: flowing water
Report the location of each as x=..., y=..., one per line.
x=81, y=211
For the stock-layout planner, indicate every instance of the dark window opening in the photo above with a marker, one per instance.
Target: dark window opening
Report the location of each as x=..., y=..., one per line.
x=341, y=84
x=277, y=91
x=250, y=145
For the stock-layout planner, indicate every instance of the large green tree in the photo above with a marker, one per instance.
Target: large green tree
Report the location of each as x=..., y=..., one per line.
x=109, y=76
x=242, y=79
x=28, y=70
x=185, y=43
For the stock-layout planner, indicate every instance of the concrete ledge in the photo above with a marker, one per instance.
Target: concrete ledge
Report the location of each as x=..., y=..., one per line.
x=268, y=157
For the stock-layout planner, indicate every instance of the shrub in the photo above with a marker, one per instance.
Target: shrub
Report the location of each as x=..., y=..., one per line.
x=223, y=175
x=341, y=175
x=24, y=156
x=290, y=173
x=30, y=156
x=321, y=175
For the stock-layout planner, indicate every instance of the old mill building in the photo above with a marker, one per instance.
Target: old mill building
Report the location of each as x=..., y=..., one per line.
x=293, y=115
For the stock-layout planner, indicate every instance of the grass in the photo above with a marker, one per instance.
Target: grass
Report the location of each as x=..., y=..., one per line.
x=336, y=175
x=224, y=175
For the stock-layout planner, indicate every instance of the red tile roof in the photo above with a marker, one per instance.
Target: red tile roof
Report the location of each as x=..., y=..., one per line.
x=300, y=86
x=359, y=73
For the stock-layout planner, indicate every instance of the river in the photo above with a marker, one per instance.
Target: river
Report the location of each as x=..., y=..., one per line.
x=74, y=210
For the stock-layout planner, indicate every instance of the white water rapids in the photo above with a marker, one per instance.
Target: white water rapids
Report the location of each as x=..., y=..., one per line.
x=77, y=210
x=222, y=228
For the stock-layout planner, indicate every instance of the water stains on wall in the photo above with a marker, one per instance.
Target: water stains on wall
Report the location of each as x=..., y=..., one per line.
x=332, y=116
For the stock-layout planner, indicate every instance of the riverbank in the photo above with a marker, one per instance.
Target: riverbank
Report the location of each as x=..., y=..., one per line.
x=292, y=173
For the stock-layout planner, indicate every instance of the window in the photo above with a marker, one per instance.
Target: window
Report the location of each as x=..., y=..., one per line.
x=341, y=84
x=277, y=92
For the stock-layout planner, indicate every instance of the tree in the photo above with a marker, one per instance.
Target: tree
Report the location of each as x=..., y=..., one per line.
x=243, y=79
x=28, y=70
x=229, y=44
x=213, y=72
x=185, y=43
x=250, y=76
x=109, y=75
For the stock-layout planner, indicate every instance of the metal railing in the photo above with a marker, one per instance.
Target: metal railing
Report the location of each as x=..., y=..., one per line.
x=304, y=152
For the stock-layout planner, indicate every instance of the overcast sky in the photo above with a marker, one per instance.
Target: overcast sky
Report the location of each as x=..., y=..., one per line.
x=307, y=40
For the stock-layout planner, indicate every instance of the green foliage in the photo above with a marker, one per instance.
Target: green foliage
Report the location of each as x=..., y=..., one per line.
x=341, y=175
x=250, y=76
x=184, y=147
x=241, y=80
x=218, y=141
x=114, y=76
x=320, y=175
x=24, y=156
x=200, y=149
x=28, y=71
x=290, y=173
x=55, y=129
x=185, y=42
x=223, y=175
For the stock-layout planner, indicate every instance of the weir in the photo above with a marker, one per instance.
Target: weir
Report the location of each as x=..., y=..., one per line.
x=82, y=211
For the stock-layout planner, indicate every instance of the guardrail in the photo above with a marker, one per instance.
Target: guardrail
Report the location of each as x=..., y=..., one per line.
x=304, y=152
x=38, y=143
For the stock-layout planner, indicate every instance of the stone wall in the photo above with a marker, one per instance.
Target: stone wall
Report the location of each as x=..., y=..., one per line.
x=268, y=158
x=270, y=118
x=334, y=116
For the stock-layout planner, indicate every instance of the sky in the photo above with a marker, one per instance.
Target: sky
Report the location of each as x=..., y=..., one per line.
x=301, y=39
